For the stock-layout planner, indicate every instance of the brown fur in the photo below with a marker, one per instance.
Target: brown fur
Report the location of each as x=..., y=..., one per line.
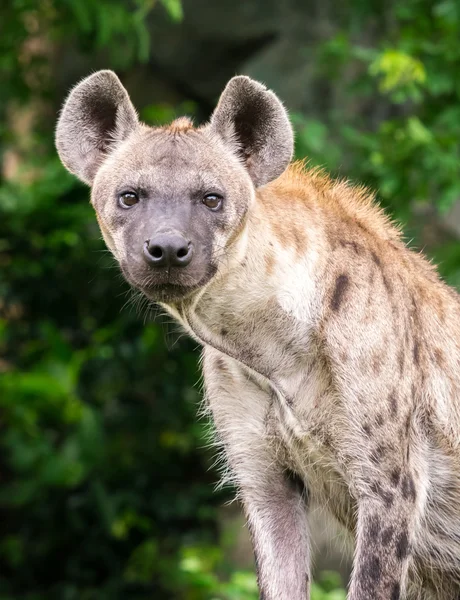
x=181, y=124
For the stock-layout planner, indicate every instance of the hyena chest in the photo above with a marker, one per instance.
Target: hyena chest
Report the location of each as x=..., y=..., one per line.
x=302, y=407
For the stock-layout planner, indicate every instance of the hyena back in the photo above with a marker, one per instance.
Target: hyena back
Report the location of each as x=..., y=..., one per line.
x=330, y=350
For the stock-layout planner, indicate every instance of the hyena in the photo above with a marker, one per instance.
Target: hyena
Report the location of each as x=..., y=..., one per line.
x=331, y=352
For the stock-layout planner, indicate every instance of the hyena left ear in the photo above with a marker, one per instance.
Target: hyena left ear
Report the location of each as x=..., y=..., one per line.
x=253, y=121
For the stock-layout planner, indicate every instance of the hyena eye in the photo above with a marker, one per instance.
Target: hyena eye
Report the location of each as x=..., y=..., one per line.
x=212, y=201
x=128, y=199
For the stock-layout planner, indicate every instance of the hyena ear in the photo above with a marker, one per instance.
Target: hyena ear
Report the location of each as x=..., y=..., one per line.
x=96, y=116
x=252, y=119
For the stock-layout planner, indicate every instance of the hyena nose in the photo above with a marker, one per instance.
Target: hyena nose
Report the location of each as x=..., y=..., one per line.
x=168, y=250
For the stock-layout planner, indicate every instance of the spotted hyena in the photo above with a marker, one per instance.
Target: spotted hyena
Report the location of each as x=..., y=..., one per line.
x=331, y=352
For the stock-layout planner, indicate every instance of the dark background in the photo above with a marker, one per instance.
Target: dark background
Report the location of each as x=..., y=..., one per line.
x=107, y=479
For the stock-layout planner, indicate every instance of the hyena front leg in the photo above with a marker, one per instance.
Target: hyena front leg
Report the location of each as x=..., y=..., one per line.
x=277, y=523
x=273, y=503
x=382, y=552
x=389, y=507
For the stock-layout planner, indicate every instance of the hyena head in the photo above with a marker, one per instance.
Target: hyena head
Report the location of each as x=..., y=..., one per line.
x=171, y=201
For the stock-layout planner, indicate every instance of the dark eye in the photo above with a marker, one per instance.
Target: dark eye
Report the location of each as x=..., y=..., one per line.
x=128, y=199
x=212, y=201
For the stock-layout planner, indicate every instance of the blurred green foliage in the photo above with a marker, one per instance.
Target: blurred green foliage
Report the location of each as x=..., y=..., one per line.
x=106, y=491
x=410, y=151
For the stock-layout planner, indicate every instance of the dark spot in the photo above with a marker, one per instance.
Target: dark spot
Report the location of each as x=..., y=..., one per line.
x=416, y=352
x=327, y=440
x=371, y=284
x=396, y=592
x=395, y=476
x=387, y=535
x=367, y=429
x=378, y=453
x=413, y=493
x=385, y=495
x=341, y=285
x=371, y=569
x=401, y=361
x=357, y=248
x=377, y=362
x=379, y=420
x=374, y=528
x=376, y=259
x=289, y=400
x=393, y=405
x=223, y=331
x=402, y=546
x=360, y=225
x=387, y=498
x=219, y=363
x=387, y=284
x=408, y=488
x=439, y=358
x=408, y=424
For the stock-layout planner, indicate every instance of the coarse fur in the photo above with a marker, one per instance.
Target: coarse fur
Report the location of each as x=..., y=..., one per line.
x=331, y=352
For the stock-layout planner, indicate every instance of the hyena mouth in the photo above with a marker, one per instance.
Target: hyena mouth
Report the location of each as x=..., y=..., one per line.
x=172, y=290
x=169, y=292
x=160, y=290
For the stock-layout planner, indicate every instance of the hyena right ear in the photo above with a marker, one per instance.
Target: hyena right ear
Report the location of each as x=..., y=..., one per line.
x=96, y=116
x=252, y=120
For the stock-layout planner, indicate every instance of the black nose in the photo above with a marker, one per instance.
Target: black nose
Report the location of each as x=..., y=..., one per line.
x=168, y=250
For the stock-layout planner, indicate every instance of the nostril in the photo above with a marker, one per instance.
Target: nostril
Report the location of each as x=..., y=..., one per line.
x=182, y=252
x=156, y=251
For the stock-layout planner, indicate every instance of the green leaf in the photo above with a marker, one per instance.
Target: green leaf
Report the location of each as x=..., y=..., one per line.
x=174, y=9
